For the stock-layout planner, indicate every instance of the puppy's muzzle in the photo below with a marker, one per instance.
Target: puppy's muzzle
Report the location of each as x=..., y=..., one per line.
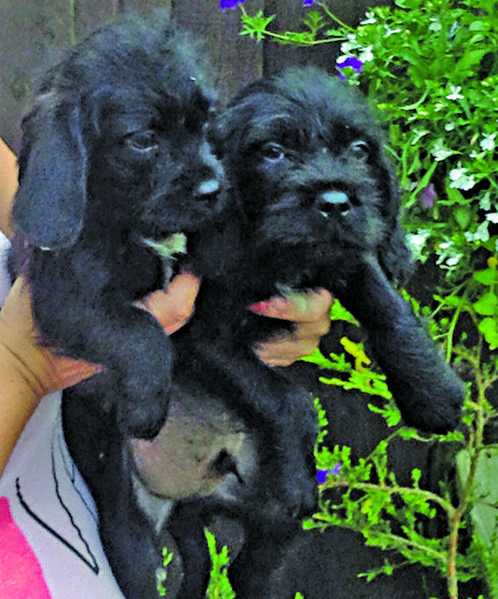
x=333, y=203
x=208, y=190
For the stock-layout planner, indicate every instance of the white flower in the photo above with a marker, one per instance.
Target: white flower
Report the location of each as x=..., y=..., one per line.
x=416, y=243
x=485, y=201
x=370, y=18
x=492, y=217
x=366, y=55
x=435, y=25
x=455, y=93
x=350, y=44
x=390, y=31
x=460, y=179
x=488, y=142
x=440, y=151
x=449, y=126
x=481, y=233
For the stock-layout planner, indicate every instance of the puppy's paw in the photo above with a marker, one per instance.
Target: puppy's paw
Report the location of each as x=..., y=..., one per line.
x=297, y=485
x=439, y=418
x=143, y=409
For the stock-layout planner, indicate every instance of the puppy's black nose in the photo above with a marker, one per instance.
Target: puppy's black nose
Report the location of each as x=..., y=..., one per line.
x=208, y=189
x=333, y=202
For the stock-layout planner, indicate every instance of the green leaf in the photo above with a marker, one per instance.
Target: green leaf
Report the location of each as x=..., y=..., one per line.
x=255, y=26
x=339, y=312
x=470, y=59
x=463, y=216
x=489, y=329
x=455, y=196
x=485, y=511
x=487, y=304
x=488, y=276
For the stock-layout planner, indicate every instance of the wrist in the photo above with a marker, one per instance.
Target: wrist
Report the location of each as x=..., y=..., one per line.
x=19, y=396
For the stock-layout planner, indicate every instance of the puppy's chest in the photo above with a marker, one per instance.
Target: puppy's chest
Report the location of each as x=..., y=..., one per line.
x=138, y=272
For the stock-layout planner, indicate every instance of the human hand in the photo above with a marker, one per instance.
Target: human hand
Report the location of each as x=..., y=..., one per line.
x=310, y=312
x=43, y=370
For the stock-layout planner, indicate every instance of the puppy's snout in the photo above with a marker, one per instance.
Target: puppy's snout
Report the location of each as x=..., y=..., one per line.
x=334, y=202
x=225, y=463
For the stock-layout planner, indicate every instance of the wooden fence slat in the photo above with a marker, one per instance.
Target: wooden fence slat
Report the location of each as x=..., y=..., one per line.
x=238, y=60
x=31, y=32
x=289, y=16
x=90, y=14
x=145, y=5
x=353, y=11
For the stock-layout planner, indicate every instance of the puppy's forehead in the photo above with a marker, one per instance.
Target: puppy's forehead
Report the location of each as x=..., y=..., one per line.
x=310, y=106
x=298, y=124
x=147, y=64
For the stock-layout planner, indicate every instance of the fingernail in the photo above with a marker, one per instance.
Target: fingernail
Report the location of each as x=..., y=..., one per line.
x=259, y=307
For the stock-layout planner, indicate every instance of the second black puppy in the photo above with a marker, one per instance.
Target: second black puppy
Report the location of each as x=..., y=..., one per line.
x=319, y=207
x=114, y=155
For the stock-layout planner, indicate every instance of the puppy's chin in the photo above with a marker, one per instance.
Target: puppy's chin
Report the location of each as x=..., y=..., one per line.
x=289, y=227
x=179, y=211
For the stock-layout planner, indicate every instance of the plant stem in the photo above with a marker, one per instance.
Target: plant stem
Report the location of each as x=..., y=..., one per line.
x=333, y=17
x=397, y=490
x=72, y=22
x=454, y=321
x=474, y=449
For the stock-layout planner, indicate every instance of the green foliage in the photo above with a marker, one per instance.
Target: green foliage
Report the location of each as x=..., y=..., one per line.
x=430, y=70
x=162, y=572
x=219, y=585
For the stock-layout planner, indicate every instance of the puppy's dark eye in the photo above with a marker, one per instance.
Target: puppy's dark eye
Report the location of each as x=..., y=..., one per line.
x=142, y=141
x=273, y=152
x=360, y=149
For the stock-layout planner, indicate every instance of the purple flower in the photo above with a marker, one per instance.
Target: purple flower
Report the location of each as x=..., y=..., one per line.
x=323, y=474
x=428, y=197
x=308, y=2
x=351, y=62
x=232, y=4
x=336, y=469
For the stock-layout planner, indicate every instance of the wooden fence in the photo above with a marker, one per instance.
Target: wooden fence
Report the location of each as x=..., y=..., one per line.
x=33, y=32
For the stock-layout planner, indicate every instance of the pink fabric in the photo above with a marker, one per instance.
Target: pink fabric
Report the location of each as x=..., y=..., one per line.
x=20, y=573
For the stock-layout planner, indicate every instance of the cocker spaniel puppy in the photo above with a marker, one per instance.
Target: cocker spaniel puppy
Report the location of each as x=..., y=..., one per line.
x=312, y=203
x=115, y=159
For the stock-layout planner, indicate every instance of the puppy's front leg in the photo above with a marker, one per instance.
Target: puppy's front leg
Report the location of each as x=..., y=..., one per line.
x=140, y=353
x=136, y=353
x=253, y=571
x=282, y=414
x=428, y=392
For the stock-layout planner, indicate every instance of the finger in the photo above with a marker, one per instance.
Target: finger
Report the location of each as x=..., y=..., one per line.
x=298, y=307
x=17, y=307
x=8, y=186
x=285, y=352
x=69, y=372
x=174, y=306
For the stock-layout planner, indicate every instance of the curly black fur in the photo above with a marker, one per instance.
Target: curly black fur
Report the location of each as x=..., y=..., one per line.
x=319, y=207
x=114, y=151
x=313, y=203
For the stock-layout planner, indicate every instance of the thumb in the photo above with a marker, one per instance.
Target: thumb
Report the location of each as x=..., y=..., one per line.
x=174, y=306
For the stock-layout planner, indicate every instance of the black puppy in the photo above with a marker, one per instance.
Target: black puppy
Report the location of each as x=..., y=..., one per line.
x=313, y=203
x=114, y=156
x=319, y=207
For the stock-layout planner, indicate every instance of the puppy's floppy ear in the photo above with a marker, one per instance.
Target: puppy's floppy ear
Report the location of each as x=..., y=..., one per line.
x=50, y=204
x=394, y=255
